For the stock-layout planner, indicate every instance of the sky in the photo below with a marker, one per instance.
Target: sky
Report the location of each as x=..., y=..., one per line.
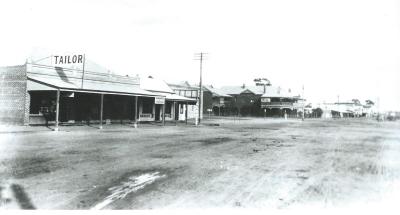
x=340, y=49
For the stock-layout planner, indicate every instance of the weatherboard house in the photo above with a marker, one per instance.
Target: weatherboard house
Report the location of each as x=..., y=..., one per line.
x=277, y=101
x=44, y=92
x=244, y=100
x=221, y=103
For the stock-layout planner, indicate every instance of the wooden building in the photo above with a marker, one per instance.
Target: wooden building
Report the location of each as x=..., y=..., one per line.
x=176, y=106
x=277, y=101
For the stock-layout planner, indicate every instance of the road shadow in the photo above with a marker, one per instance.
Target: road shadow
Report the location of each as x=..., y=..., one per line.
x=15, y=193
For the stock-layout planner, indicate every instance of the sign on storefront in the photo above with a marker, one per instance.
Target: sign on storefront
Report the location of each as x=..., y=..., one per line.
x=159, y=100
x=265, y=99
x=68, y=59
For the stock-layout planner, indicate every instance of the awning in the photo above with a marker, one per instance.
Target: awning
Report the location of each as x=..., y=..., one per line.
x=89, y=86
x=178, y=98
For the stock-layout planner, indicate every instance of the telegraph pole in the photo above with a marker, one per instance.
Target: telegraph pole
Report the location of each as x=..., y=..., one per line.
x=304, y=101
x=83, y=70
x=200, y=56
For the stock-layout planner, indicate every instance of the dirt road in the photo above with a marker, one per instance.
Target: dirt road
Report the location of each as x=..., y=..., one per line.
x=251, y=163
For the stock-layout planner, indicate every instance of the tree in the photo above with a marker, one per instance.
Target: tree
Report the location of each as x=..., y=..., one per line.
x=356, y=101
x=317, y=112
x=369, y=102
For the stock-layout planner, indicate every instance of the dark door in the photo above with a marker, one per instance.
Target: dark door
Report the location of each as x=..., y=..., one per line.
x=157, y=116
x=177, y=111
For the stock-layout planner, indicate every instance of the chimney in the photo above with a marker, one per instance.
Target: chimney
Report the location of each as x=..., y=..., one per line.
x=243, y=86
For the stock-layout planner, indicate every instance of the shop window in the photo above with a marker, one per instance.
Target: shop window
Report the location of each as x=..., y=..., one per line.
x=194, y=93
x=188, y=93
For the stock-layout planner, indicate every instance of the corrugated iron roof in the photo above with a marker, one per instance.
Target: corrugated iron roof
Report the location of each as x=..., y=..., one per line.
x=216, y=92
x=277, y=92
x=155, y=85
x=175, y=97
x=98, y=81
x=89, y=86
x=162, y=88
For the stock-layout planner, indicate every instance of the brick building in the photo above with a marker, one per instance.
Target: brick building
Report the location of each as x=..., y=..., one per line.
x=14, y=101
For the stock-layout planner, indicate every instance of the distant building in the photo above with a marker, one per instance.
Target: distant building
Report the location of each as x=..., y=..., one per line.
x=221, y=103
x=347, y=109
x=193, y=91
x=277, y=101
x=245, y=100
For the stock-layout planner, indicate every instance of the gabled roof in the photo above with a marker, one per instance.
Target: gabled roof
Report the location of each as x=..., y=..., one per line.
x=258, y=90
x=182, y=86
x=216, y=92
x=155, y=85
x=161, y=87
x=236, y=90
x=178, y=98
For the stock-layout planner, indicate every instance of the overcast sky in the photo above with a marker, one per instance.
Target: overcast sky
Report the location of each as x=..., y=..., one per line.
x=344, y=47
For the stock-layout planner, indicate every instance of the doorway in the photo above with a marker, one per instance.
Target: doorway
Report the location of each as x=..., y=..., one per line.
x=158, y=111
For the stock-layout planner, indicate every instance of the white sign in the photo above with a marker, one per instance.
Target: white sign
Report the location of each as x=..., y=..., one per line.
x=159, y=100
x=265, y=100
x=68, y=59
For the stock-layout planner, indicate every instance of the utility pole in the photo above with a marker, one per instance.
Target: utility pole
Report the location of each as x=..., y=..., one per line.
x=304, y=101
x=200, y=56
x=83, y=70
x=378, y=115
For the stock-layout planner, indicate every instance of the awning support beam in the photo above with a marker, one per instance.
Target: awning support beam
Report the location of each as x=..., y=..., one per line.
x=57, y=109
x=174, y=111
x=163, y=113
x=136, y=111
x=101, y=110
x=186, y=113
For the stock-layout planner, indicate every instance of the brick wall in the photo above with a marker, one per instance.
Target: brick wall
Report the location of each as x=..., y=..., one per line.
x=14, y=99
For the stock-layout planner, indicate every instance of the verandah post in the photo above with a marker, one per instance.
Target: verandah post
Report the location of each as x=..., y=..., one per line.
x=57, y=109
x=101, y=111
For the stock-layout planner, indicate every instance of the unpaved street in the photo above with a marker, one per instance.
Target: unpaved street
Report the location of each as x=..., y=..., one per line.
x=251, y=163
